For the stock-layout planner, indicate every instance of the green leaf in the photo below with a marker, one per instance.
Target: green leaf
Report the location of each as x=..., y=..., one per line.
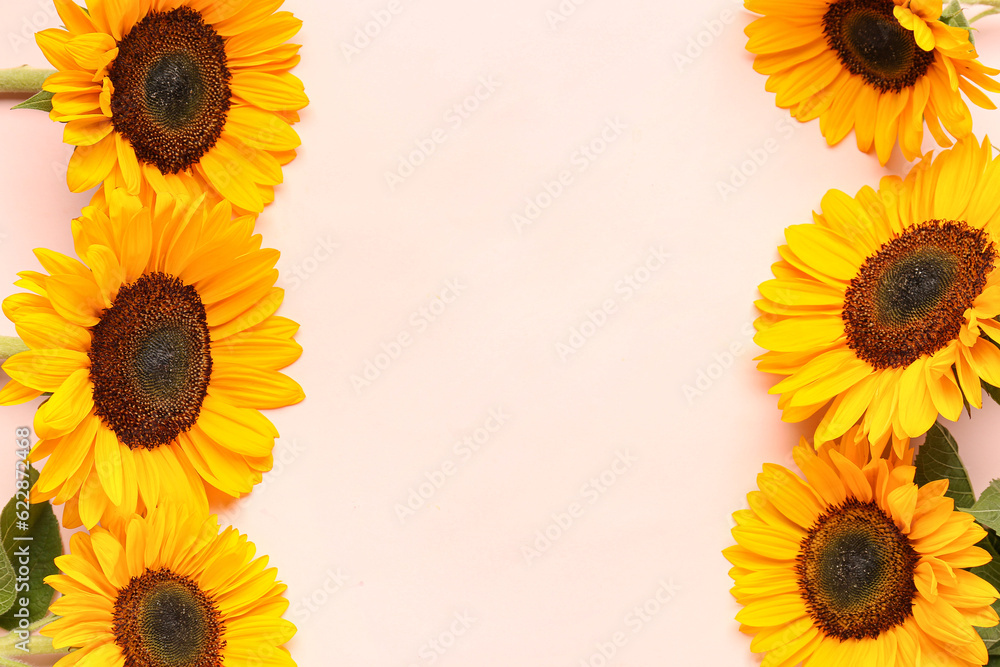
x=991, y=573
x=7, y=595
x=991, y=636
x=987, y=508
x=40, y=101
x=36, y=554
x=938, y=459
x=994, y=392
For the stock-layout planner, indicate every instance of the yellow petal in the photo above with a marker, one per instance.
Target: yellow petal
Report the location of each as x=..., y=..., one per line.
x=261, y=129
x=797, y=334
x=941, y=621
x=15, y=393
x=852, y=477
x=916, y=409
x=767, y=541
x=136, y=246
x=226, y=173
x=73, y=17
x=242, y=430
x=902, y=502
x=270, y=92
x=251, y=317
x=774, y=610
x=985, y=359
x=250, y=14
x=277, y=30
x=90, y=165
x=68, y=455
x=108, y=463
x=250, y=387
x=41, y=330
x=87, y=131
x=45, y=370
x=77, y=299
x=87, y=49
x=108, y=274
x=111, y=558
x=239, y=275
x=824, y=250
x=67, y=407
x=128, y=164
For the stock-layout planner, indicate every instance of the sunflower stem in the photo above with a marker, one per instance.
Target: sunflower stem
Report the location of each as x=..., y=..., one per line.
x=36, y=645
x=988, y=12
x=9, y=346
x=23, y=80
x=12, y=638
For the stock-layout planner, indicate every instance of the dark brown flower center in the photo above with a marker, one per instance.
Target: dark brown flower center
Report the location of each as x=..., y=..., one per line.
x=871, y=43
x=856, y=572
x=909, y=298
x=171, y=88
x=162, y=619
x=151, y=361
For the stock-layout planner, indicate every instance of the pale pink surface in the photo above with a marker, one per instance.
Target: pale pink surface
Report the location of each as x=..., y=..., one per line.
x=352, y=456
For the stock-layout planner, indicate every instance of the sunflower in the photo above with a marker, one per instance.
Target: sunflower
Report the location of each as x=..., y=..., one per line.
x=158, y=350
x=168, y=589
x=886, y=304
x=856, y=565
x=881, y=67
x=176, y=96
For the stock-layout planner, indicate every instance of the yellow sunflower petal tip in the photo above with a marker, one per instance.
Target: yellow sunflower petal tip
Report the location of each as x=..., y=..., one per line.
x=854, y=565
x=177, y=97
x=882, y=311
x=882, y=68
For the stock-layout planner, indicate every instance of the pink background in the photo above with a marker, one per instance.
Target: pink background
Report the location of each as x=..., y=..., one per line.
x=360, y=259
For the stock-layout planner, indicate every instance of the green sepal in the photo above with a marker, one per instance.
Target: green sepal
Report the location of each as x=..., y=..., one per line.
x=40, y=101
x=43, y=548
x=938, y=459
x=954, y=16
